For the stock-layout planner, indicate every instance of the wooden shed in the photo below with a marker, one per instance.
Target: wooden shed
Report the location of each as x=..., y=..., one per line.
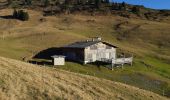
x=58, y=60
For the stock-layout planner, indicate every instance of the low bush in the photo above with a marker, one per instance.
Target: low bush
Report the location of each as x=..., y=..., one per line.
x=21, y=15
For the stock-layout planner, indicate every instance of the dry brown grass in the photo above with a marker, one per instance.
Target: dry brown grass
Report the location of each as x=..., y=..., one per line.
x=19, y=80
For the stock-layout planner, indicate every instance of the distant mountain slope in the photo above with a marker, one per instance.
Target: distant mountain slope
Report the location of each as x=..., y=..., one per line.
x=88, y=7
x=19, y=80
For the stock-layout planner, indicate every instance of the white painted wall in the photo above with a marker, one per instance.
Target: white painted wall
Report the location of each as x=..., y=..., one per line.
x=59, y=61
x=99, y=51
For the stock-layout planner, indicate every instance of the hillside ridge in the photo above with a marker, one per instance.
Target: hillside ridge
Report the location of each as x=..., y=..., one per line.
x=90, y=7
x=40, y=82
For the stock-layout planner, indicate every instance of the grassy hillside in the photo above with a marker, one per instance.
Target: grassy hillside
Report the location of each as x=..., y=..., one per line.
x=149, y=41
x=19, y=80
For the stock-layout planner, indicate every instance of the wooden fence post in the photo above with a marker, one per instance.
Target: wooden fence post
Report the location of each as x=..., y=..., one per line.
x=163, y=92
x=132, y=60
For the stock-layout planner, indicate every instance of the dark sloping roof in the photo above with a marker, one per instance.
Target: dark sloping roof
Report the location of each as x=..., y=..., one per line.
x=85, y=44
x=110, y=44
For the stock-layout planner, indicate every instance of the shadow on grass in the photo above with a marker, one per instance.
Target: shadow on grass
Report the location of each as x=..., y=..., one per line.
x=7, y=17
x=36, y=62
x=43, y=57
x=47, y=53
x=10, y=17
x=100, y=64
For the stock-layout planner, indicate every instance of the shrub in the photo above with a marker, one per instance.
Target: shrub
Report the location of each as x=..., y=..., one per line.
x=97, y=3
x=28, y=2
x=21, y=15
x=9, y=2
x=135, y=10
x=46, y=3
x=15, y=14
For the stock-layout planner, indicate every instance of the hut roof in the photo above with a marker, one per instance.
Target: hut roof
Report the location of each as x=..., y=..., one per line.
x=85, y=44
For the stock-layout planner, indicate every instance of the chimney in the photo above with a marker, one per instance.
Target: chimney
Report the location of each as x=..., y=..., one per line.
x=99, y=38
x=96, y=39
x=93, y=39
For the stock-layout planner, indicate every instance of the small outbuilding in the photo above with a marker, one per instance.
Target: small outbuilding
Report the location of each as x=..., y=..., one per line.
x=58, y=60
